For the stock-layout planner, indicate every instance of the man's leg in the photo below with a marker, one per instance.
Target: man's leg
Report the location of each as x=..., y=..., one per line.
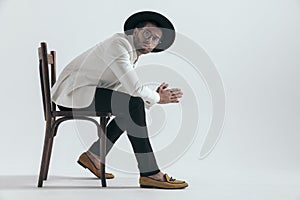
x=113, y=131
x=113, y=134
x=137, y=132
x=130, y=116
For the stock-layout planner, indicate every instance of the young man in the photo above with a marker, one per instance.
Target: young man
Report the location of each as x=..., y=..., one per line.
x=103, y=79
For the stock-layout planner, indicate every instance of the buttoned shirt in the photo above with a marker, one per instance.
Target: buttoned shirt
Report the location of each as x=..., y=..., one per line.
x=109, y=64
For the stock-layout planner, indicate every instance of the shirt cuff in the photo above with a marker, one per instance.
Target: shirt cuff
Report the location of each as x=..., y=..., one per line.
x=155, y=99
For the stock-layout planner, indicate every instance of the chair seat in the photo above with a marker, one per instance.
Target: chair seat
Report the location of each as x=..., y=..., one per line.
x=81, y=113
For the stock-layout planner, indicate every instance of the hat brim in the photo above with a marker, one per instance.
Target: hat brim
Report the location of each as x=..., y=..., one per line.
x=166, y=26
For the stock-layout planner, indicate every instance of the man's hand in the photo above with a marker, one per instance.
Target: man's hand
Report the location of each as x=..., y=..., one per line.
x=168, y=95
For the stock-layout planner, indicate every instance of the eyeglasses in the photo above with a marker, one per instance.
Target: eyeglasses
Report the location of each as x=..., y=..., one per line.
x=147, y=35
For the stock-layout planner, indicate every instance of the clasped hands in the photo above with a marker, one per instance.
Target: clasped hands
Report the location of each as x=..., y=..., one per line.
x=171, y=95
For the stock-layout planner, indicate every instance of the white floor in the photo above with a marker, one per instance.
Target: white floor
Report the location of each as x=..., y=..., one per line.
x=206, y=187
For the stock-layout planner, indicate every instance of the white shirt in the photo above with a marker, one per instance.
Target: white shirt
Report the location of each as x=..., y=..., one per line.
x=109, y=64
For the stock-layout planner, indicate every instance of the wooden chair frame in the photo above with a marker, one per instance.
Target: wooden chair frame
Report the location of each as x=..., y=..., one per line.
x=54, y=118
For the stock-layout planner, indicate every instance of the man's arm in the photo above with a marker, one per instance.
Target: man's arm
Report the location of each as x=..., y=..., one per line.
x=118, y=55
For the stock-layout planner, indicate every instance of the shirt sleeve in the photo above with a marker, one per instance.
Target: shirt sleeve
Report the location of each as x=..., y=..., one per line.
x=119, y=62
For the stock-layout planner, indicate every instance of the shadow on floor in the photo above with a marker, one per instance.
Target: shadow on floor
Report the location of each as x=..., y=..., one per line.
x=22, y=182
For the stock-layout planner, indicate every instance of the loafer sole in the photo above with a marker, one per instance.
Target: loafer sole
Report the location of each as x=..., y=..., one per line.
x=151, y=183
x=107, y=175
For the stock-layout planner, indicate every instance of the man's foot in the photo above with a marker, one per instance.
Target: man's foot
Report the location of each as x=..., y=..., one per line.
x=159, y=176
x=162, y=181
x=92, y=162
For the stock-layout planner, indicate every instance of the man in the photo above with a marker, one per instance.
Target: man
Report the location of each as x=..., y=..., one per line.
x=103, y=79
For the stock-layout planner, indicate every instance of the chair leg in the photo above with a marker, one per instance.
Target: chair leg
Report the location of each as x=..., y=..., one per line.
x=45, y=152
x=54, y=127
x=103, y=123
x=49, y=151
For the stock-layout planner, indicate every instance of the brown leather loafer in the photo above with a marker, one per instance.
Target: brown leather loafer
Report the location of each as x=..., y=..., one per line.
x=169, y=183
x=86, y=162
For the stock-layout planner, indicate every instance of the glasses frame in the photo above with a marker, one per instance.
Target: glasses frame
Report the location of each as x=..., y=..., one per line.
x=150, y=36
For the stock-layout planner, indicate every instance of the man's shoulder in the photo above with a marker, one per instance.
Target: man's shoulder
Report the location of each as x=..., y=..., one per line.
x=120, y=36
x=119, y=39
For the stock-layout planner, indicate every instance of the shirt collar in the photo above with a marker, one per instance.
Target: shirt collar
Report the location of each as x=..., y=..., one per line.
x=130, y=39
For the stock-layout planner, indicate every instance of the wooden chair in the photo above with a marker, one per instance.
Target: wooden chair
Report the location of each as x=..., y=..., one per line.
x=54, y=118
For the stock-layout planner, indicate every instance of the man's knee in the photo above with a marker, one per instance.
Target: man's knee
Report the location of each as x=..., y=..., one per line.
x=137, y=111
x=136, y=102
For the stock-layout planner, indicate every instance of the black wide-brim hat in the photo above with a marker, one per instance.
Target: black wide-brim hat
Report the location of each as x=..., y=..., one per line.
x=168, y=30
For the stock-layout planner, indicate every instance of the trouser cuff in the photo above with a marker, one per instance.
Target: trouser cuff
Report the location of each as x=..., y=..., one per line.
x=149, y=173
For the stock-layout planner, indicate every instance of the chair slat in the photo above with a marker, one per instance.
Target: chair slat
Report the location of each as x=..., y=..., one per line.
x=42, y=87
x=45, y=79
x=53, y=67
x=40, y=53
x=81, y=113
x=53, y=74
x=50, y=59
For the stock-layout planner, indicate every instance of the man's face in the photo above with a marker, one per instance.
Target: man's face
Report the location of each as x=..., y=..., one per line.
x=147, y=38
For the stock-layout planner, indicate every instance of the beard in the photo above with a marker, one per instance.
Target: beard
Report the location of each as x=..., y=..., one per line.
x=143, y=50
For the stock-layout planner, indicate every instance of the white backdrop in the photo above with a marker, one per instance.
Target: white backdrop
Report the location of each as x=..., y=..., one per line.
x=254, y=44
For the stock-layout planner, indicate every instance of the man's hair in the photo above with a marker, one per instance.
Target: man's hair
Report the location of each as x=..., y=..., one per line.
x=141, y=25
x=144, y=23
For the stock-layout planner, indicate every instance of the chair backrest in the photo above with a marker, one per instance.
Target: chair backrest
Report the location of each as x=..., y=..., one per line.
x=45, y=61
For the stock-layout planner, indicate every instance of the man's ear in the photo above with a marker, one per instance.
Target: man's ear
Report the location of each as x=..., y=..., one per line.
x=135, y=31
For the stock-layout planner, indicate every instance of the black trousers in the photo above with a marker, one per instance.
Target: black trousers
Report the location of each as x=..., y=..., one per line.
x=130, y=116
